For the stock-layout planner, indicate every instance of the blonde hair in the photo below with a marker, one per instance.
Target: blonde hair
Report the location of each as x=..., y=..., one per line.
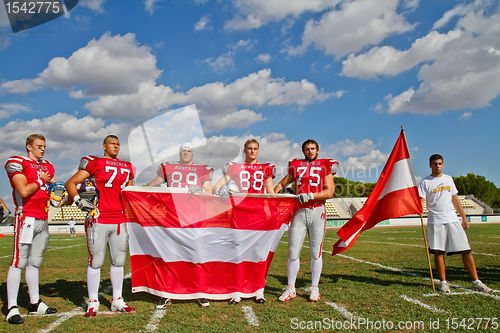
x=33, y=137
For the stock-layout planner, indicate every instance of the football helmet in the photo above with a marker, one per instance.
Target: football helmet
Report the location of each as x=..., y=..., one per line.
x=57, y=192
x=87, y=190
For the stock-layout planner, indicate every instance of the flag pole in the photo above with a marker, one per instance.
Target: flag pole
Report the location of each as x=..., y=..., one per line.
x=426, y=244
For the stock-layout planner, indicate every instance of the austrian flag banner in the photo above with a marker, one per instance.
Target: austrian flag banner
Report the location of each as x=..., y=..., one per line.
x=188, y=246
x=394, y=195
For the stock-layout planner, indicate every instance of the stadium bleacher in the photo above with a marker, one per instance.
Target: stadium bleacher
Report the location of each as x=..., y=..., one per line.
x=64, y=214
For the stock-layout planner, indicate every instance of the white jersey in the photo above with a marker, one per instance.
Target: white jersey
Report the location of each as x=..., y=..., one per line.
x=437, y=192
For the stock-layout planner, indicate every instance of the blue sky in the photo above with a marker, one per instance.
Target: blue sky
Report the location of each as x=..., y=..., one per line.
x=346, y=73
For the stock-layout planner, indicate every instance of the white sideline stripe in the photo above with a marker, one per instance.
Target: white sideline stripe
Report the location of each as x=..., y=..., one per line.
x=408, y=273
x=343, y=311
x=62, y=318
x=153, y=323
x=250, y=315
x=214, y=247
x=425, y=306
x=50, y=249
x=401, y=177
x=420, y=246
x=450, y=293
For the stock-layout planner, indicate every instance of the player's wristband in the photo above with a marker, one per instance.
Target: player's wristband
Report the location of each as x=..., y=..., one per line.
x=40, y=182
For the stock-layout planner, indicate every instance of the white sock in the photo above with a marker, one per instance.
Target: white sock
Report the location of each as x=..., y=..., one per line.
x=316, y=267
x=93, y=280
x=476, y=281
x=13, y=281
x=292, y=270
x=116, y=276
x=32, y=282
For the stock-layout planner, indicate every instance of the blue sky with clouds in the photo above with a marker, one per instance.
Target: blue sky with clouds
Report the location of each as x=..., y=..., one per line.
x=346, y=73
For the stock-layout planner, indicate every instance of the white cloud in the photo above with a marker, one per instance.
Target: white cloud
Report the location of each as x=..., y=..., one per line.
x=239, y=119
x=263, y=58
x=349, y=147
x=222, y=62
x=9, y=109
x=150, y=5
x=387, y=60
x=95, y=5
x=107, y=66
x=203, y=24
x=213, y=99
x=465, y=116
x=355, y=25
x=253, y=14
x=453, y=78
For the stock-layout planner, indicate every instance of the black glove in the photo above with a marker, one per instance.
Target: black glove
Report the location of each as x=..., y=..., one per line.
x=304, y=197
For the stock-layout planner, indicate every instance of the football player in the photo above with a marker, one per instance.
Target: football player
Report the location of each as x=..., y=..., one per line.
x=29, y=177
x=313, y=185
x=185, y=174
x=103, y=225
x=250, y=177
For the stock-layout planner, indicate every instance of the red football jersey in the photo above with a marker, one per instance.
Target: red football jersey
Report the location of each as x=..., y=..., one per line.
x=110, y=178
x=250, y=178
x=309, y=175
x=35, y=205
x=185, y=175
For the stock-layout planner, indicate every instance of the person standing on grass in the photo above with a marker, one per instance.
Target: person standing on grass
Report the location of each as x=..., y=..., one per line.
x=29, y=176
x=314, y=184
x=446, y=232
x=71, y=224
x=103, y=225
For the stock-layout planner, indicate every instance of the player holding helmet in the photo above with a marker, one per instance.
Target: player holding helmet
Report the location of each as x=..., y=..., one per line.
x=28, y=177
x=185, y=174
x=313, y=185
x=250, y=177
x=103, y=226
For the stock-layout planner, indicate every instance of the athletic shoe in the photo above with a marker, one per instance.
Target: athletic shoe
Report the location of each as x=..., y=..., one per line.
x=288, y=294
x=40, y=308
x=163, y=303
x=479, y=286
x=259, y=297
x=443, y=287
x=119, y=305
x=314, y=294
x=92, y=308
x=203, y=302
x=13, y=316
x=235, y=300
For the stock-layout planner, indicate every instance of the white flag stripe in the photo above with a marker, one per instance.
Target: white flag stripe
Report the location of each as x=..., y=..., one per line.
x=219, y=244
x=401, y=177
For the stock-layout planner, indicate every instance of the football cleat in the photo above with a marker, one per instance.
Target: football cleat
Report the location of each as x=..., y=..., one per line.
x=119, y=305
x=203, y=302
x=314, y=294
x=259, y=297
x=479, y=286
x=288, y=294
x=163, y=303
x=443, y=287
x=235, y=300
x=40, y=308
x=92, y=308
x=13, y=316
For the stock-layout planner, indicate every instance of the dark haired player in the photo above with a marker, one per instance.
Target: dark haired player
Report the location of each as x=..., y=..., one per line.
x=104, y=227
x=313, y=185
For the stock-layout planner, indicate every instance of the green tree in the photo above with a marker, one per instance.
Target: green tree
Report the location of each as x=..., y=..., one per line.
x=480, y=187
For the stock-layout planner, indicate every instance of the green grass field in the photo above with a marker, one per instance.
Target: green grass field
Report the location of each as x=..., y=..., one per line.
x=382, y=281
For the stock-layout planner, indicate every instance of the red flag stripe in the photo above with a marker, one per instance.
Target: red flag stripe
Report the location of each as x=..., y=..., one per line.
x=185, y=280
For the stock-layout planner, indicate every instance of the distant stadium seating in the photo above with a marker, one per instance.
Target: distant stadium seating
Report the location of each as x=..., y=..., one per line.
x=58, y=216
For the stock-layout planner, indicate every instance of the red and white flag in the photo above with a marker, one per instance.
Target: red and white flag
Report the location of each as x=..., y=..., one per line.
x=187, y=246
x=394, y=195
